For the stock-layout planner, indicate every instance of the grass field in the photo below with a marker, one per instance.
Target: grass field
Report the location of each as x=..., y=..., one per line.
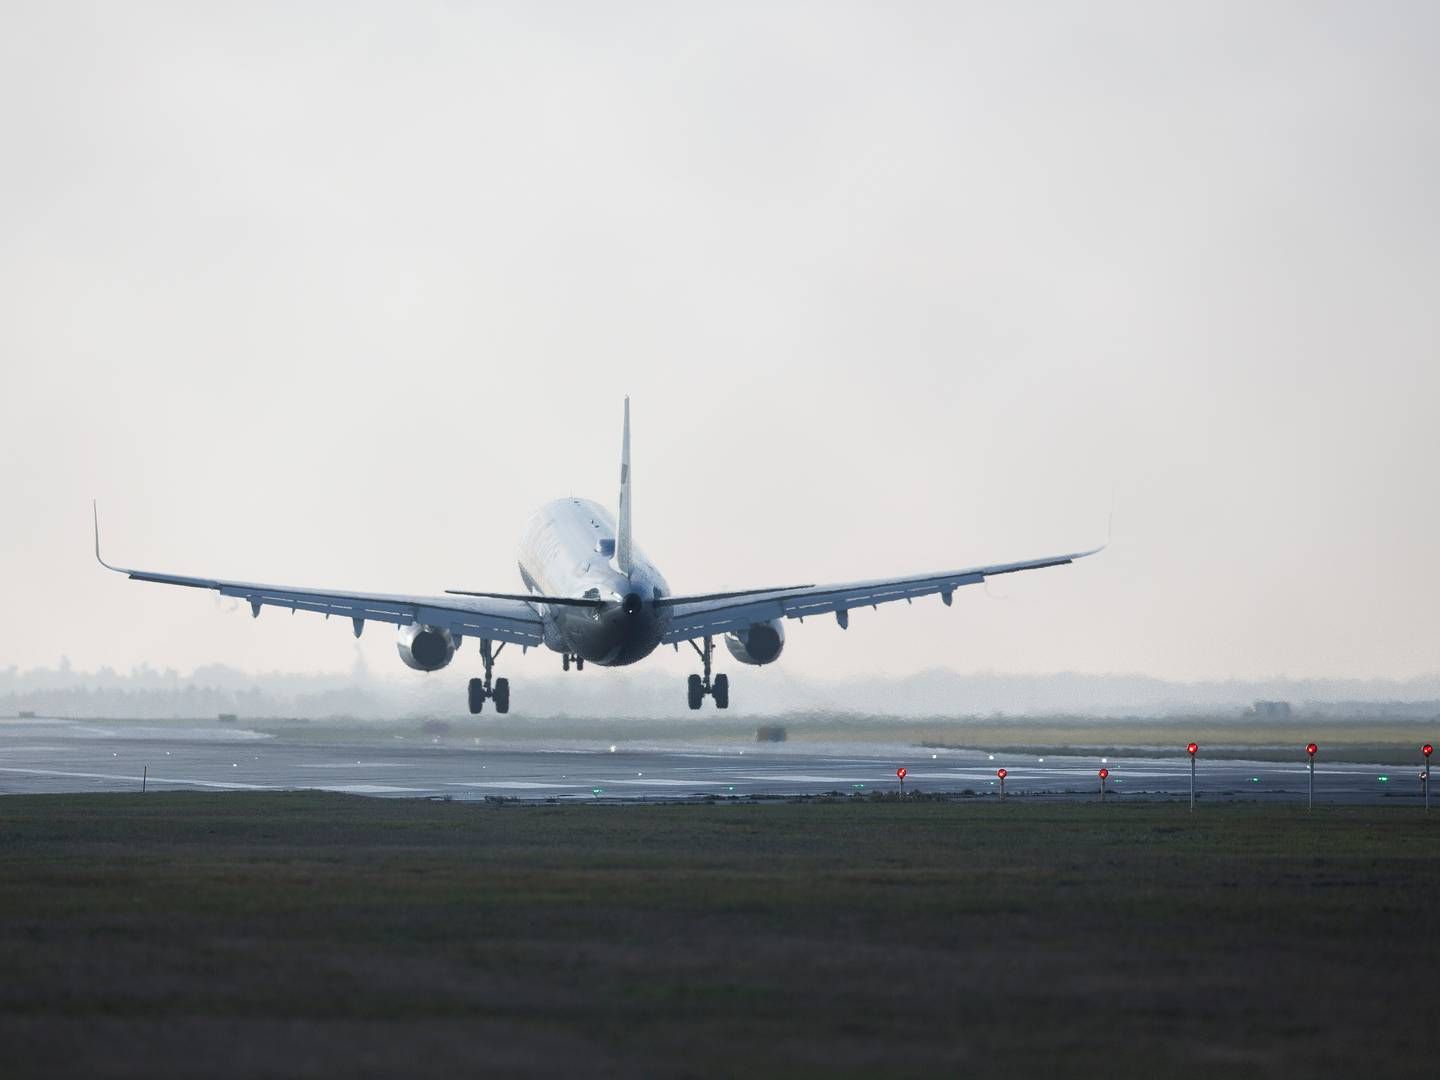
x=1393, y=741
x=185, y=934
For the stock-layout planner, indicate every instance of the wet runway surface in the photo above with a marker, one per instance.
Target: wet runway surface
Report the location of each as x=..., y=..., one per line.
x=66, y=755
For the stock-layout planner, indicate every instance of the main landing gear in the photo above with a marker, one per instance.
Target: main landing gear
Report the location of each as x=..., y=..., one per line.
x=480, y=689
x=719, y=689
x=565, y=659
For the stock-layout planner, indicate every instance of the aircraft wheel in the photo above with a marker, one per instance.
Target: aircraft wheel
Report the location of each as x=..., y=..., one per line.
x=721, y=692
x=579, y=663
x=565, y=661
x=477, y=695
x=697, y=691
x=501, y=695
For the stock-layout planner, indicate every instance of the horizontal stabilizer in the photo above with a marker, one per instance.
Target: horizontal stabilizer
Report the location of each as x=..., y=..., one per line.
x=533, y=598
x=671, y=601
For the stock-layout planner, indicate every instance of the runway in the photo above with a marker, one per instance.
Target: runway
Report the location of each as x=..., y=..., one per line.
x=51, y=755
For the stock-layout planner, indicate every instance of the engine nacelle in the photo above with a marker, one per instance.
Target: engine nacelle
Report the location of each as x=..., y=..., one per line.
x=425, y=648
x=758, y=643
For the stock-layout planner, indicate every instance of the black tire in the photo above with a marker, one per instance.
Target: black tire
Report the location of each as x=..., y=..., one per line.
x=477, y=695
x=721, y=691
x=565, y=661
x=501, y=695
x=579, y=663
x=697, y=691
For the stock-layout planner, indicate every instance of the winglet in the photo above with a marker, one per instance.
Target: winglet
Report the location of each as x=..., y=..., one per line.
x=95, y=512
x=622, y=540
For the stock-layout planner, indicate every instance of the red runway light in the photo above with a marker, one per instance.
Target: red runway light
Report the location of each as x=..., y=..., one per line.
x=1001, y=773
x=1310, y=749
x=900, y=772
x=1427, y=749
x=1104, y=773
x=1193, y=749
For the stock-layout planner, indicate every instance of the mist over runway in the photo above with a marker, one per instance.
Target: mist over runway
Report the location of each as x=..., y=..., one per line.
x=57, y=755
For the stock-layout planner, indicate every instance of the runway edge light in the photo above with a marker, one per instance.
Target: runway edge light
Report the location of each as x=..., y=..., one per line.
x=1002, y=773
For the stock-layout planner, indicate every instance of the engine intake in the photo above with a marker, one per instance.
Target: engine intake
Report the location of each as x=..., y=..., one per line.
x=758, y=643
x=424, y=647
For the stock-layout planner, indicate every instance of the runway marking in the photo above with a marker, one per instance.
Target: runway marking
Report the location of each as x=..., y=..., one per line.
x=355, y=765
x=367, y=789
x=518, y=785
x=803, y=778
x=131, y=778
x=663, y=783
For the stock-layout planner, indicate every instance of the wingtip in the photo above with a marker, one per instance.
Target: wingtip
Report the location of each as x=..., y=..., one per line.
x=95, y=515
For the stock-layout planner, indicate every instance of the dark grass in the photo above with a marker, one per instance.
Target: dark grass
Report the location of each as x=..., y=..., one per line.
x=306, y=934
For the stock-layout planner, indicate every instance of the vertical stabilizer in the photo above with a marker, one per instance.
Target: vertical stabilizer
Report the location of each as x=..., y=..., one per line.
x=622, y=541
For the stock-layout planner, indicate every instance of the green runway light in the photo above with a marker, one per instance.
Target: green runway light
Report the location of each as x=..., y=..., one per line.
x=1383, y=779
x=1254, y=779
x=597, y=791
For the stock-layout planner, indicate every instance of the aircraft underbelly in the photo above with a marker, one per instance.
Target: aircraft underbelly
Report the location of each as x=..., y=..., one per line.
x=563, y=552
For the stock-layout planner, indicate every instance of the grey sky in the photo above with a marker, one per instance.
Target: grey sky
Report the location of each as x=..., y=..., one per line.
x=337, y=294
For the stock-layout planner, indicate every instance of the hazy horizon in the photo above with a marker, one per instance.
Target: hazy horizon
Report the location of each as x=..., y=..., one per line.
x=640, y=692
x=338, y=295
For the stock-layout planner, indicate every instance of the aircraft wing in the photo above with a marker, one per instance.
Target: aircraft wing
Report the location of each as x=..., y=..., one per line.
x=718, y=616
x=510, y=620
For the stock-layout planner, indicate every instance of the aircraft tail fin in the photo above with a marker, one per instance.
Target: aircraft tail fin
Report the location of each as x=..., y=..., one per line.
x=622, y=540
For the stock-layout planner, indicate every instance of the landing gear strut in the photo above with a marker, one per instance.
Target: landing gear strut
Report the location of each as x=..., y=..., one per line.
x=565, y=659
x=497, y=690
x=700, y=686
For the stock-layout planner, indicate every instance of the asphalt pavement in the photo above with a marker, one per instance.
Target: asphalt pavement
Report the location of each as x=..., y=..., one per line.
x=57, y=755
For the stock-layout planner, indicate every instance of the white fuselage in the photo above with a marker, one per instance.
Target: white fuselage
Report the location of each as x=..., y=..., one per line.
x=568, y=549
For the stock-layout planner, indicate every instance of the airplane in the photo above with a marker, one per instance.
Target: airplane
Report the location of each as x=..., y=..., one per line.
x=594, y=597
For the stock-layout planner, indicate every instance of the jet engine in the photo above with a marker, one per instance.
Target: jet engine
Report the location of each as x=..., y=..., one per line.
x=425, y=648
x=758, y=643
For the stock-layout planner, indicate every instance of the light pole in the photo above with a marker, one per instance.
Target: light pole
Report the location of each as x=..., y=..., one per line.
x=1310, y=749
x=1427, y=750
x=1192, y=750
